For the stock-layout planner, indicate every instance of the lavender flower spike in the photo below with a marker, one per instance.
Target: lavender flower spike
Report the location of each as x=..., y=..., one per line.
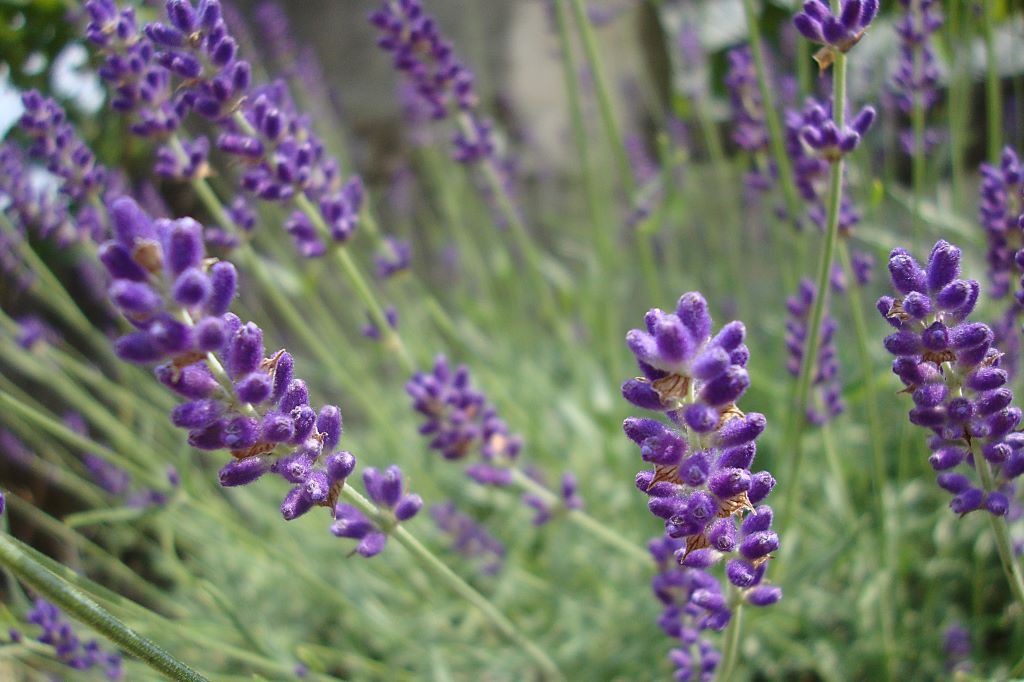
x=701, y=485
x=952, y=371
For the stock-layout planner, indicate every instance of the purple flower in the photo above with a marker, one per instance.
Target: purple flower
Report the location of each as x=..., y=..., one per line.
x=701, y=485
x=951, y=368
x=394, y=257
x=683, y=363
x=915, y=80
x=818, y=24
x=58, y=633
x=826, y=384
x=394, y=506
x=469, y=538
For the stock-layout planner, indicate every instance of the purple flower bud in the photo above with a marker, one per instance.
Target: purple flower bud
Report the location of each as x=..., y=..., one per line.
x=339, y=465
x=639, y=429
x=692, y=309
x=666, y=449
x=722, y=535
x=904, y=343
x=946, y=458
x=350, y=523
x=967, y=501
x=316, y=486
x=276, y=428
x=223, y=283
x=742, y=573
x=986, y=378
x=137, y=348
x=245, y=351
x=328, y=424
x=135, y=298
x=726, y=388
x=372, y=544
x=295, y=504
x=943, y=265
x=641, y=394
x=761, y=485
x=210, y=334
x=191, y=288
x=700, y=417
x=243, y=471
x=184, y=248
x=254, y=388
x=295, y=395
x=408, y=506
x=997, y=503
x=303, y=423
x=740, y=431
x=197, y=414
x=764, y=595
x=907, y=275
x=741, y=456
x=953, y=482
x=727, y=483
x=759, y=545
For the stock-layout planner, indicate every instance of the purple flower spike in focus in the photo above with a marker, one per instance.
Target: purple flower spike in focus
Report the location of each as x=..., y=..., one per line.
x=951, y=369
x=701, y=486
x=842, y=31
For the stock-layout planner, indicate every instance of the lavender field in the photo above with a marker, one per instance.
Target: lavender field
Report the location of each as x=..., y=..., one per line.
x=684, y=350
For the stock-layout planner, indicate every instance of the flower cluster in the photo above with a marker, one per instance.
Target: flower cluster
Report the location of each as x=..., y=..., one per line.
x=817, y=23
x=440, y=81
x=951, y=369
x=701, y=485
x=284, y=159
x=826, y=377
x=469, y=538
x=424, y=56
x=28, y=207
x=915, y=82
x=239, y=399
x=140, y=87
x=749, y=132
x=460, y=421
x=55, y=142
x=683, y=618
x=68, y=648
x=824, y=138
x=393, y=506
x=811, y=169
x=688, y=374
x=999, y=210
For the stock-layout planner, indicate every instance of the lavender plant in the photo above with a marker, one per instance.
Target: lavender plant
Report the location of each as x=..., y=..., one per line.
x=214, y=218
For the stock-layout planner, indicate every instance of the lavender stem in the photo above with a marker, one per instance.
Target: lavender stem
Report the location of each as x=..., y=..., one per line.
x=84, y=609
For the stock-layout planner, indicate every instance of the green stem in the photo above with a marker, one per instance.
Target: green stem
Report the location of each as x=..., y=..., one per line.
x=460, y=587
x=581, y=519
x=388, y=334
x=570, y=70
x=730, y=650
x=1004, y=545
x=604, y=102
x=993, y=96
x=520, y=234
x=771, y=115
x=806, y=376
x=77, y=604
